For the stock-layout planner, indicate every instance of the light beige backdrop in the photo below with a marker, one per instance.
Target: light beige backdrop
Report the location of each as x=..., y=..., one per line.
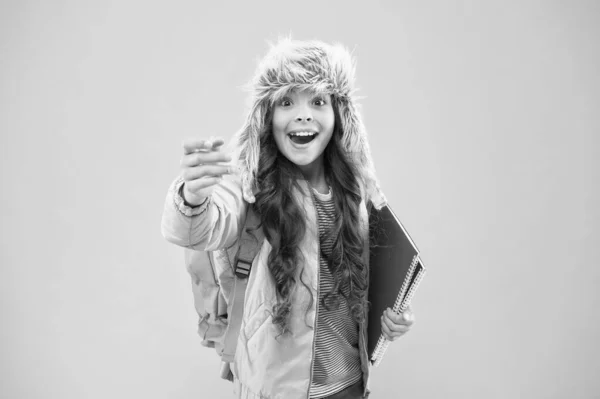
x=483, y=121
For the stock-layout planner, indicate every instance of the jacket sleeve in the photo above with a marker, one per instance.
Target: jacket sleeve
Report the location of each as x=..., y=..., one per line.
x=213, y=225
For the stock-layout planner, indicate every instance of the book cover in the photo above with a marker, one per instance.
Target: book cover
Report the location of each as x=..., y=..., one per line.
x=396, y=270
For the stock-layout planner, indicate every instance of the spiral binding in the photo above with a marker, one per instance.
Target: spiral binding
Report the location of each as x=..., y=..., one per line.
x=412, y=291
x=402, y=302
x=405, y=285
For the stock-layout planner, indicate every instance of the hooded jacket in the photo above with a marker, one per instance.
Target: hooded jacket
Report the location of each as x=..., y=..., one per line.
x=267, y=364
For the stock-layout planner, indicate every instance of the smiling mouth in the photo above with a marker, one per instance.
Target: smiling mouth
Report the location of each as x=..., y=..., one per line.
x=302, y=137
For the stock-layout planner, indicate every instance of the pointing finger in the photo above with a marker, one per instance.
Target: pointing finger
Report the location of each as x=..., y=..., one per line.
x=194, y=145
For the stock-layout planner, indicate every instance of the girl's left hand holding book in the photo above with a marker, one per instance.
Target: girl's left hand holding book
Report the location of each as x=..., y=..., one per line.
x=395, y=325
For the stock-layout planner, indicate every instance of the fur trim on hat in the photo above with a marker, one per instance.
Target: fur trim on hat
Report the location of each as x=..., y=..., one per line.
x=301, y=65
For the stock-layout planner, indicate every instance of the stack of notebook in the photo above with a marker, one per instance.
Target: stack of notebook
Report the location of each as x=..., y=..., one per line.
x=395, y=273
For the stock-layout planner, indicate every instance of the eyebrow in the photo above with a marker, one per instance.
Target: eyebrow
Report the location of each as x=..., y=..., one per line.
x=311, y=95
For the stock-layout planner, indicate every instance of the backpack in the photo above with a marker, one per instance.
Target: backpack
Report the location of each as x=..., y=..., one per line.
x=219, y=280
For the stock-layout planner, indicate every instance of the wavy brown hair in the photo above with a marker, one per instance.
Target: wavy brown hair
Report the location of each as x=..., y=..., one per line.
x=284, y=224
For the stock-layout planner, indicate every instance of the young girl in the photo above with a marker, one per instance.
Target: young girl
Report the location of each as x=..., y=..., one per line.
x=302, y=162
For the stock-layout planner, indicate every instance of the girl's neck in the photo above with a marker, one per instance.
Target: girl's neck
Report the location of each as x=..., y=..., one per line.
x=314, y=173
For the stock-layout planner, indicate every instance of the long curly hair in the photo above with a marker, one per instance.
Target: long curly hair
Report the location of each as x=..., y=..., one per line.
x=284, y=224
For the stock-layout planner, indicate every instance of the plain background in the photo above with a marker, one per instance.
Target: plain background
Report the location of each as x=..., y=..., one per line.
x=483, y=121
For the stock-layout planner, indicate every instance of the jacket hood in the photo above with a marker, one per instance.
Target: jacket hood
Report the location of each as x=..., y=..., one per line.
x=301, y=65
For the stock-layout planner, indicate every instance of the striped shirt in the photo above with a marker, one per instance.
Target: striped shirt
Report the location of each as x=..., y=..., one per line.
x=336, y=358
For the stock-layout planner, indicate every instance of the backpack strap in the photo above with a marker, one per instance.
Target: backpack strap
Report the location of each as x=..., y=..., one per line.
x=250, y=243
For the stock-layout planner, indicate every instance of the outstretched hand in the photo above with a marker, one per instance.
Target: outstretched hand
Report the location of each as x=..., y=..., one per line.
x=395, y=325
x=203, y=165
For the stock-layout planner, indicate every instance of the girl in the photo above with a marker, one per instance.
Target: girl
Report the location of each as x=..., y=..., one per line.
x=302, y=162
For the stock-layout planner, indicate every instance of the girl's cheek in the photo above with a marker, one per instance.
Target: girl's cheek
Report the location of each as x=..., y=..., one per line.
x=278, y=144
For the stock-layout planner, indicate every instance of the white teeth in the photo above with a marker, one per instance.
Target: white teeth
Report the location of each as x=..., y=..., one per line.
x=303, y=133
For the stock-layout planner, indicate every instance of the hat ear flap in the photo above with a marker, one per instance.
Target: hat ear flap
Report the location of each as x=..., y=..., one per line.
x=352, y=126
x=354, y=140
x=248, y=144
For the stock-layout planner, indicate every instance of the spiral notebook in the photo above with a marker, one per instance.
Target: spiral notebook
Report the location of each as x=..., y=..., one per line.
x=396, y=270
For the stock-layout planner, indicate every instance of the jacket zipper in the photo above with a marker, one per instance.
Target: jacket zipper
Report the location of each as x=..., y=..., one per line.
x=365, y=324
x=312, y=360
x=364, y=349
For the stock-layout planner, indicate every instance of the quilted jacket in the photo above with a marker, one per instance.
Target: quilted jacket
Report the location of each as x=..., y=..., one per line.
x=266, y=365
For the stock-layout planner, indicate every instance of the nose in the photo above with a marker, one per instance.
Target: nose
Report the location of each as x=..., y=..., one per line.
x=304, y=114
x=303, y=118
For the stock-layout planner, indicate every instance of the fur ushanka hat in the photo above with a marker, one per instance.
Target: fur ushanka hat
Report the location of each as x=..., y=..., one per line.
x=301, y=65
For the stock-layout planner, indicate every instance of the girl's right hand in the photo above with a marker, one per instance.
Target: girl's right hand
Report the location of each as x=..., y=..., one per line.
x=202, y=167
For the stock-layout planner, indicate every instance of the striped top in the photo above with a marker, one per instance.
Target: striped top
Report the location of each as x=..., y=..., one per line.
x=336, y=359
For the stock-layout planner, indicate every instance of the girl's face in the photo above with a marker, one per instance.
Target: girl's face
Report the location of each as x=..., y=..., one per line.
x=303, y=123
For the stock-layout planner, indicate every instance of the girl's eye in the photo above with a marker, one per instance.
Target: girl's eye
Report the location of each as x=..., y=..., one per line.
x=319, y=101
x=285, y=102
